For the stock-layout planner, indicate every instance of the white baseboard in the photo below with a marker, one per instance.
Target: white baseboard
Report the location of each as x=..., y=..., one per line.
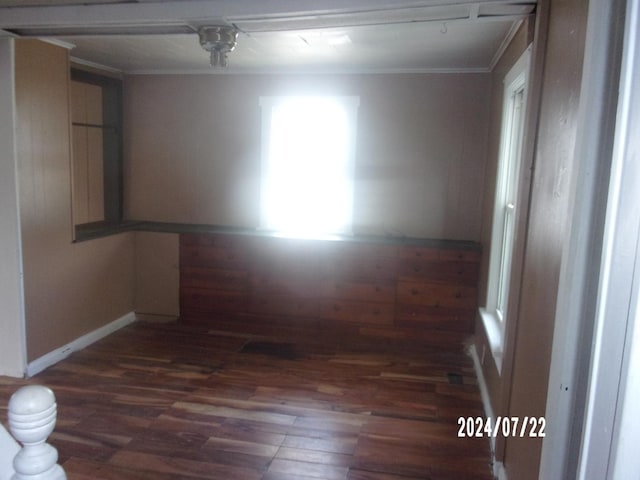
x=498, y=468
x=51, y=358
x=498, y=471
x=482, y=384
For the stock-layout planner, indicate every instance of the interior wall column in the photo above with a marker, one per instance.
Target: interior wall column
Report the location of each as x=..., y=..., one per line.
x=12, y=340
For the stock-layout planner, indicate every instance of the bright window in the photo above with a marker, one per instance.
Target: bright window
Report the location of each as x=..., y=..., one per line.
x=308, y=157
x=495, y=313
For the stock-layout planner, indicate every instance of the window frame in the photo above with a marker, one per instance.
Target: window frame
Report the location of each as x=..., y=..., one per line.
x=113, y=164
x=506, y=209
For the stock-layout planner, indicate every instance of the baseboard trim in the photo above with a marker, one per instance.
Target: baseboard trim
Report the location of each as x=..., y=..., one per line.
x=482, y=384
x=498, y=468
x=51, y=358
x=498, y=471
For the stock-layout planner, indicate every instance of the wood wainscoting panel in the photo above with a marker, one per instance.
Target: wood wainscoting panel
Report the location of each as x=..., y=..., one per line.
x=418, y=293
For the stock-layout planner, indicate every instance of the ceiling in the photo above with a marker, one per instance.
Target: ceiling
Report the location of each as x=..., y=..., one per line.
x=160, y=36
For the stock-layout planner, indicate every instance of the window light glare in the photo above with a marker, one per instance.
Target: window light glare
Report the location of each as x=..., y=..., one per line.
x=307, y=178
x=323, y=39
x=340, y=40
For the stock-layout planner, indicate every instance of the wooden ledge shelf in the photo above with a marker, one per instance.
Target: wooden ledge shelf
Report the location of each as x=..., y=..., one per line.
x=93, y=230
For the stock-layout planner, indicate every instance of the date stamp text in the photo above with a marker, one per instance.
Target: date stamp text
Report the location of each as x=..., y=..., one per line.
x=533, y=427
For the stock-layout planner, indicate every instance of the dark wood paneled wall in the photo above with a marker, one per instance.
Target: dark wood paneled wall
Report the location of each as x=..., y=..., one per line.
x=423, y=293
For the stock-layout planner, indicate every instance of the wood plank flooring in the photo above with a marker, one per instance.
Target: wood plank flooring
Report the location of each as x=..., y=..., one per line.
x=170, y=401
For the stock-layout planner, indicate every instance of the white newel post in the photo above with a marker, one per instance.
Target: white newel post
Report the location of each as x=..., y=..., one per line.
x=32, y=417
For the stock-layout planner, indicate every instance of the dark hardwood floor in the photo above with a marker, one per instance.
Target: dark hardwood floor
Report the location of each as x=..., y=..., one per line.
x=170, y=401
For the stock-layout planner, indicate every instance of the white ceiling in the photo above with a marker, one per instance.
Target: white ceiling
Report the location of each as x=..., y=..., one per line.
x=283, y=36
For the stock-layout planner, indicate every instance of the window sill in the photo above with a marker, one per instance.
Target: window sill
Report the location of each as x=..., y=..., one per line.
x=495, y=336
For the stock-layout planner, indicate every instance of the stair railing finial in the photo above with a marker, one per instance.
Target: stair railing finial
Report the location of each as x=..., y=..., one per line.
x=32, y=418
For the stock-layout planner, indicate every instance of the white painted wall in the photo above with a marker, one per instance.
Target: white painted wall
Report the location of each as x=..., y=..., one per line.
x=8, y=450
x=12, y=343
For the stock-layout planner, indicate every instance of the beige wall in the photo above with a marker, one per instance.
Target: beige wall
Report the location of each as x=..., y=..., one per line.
x=70, y=289
x=192, y=149
x=157, y=274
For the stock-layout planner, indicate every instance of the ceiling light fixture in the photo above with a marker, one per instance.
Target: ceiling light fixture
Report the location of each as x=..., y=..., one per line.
x=219, y=40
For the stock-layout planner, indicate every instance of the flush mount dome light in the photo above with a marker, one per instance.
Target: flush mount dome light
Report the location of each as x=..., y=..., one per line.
x=219, y=40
